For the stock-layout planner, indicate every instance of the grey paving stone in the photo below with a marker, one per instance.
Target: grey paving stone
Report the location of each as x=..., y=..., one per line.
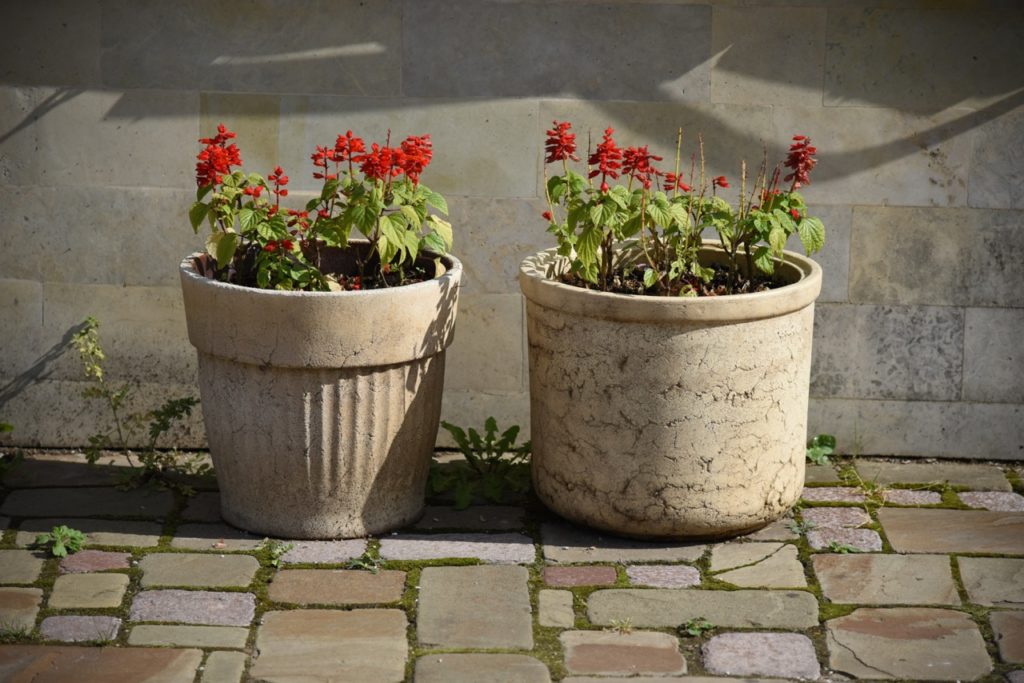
x=1012, y=677
x=480, y=668
x=1008, y=629
x=323, y=552
x=997, y=501
x=832, y=494
x=475, y=517
x=74, y=502
x=780, y=530
x=554, y=608
x=569, y=543
x=224, y=667
x=88, y=590
x=915, y=643
x=475, y=607
x=789, y=655
x=19, y=607
x=622, y=654
x=500, y=548
x=995, y=581
x=669, y=679
x=20, y=566
x=337, y=587
x=61, y=469
x=909, y=497
x=663, y=575
x=873, y=579
x=821, y=474
x=85, y=561
x=321, y=645
x=113, y=532
x=203, y=507
x=758, y=565
x=835, y=518
x=661, y=607
x=194, y=607
x=979, y=477
x=77, y=629
x=189, y=636
x=206, y=570
x=99, y=664
x=865, y=540
x=948, y=531
x=214, y=537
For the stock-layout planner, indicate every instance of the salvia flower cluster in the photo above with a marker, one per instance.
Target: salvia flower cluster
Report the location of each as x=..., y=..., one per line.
x=374, y=189
x=651, y=224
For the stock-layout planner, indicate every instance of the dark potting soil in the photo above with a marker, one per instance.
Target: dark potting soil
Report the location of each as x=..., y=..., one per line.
x=632, y=282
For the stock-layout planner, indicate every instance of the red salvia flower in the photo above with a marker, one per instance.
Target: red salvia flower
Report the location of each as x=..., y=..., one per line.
x=216, y=160
x=720, y=181
x=636, y=163
x=608, y=159
x=675, y=182
x=561, y=144
x=417, y=150
x=347, y=146
x=380, y=163
x=547, y=216
x=801, y=160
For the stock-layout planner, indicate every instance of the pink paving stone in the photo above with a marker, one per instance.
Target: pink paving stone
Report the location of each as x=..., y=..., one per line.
x=997, y=501
x=832, y=494
x=323, y=552
x=909, y=497
x=499, y=548
x=610, y=653
x=789, y=655
x=579, y=576
x=76, y=629
x=194, y=607
x=663, y=576
x=1015, y=676
x=93, y=561
x=77, y=664
x=835, y=518
x=866, y=540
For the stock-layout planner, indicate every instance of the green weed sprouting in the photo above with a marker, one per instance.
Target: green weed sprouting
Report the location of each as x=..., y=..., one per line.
x=494, y=467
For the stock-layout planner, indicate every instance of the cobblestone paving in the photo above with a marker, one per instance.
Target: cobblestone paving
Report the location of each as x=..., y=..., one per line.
x=885, y=570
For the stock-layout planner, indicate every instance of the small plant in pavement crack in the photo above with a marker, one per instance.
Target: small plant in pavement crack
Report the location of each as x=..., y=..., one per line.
x=820, y=447
x=695, y=628
x=842, y=548
x=275, y=550
x=366, y=562
x=494, y=466
x=61, y=540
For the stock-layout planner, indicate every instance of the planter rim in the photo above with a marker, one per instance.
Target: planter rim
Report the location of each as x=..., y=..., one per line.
x=539, y=289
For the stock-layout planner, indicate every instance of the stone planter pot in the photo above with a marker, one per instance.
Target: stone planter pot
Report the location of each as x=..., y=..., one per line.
x=672, y=418
x=321, y=408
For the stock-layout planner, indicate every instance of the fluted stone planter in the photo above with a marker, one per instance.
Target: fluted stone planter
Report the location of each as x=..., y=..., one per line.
x=321, y=408
x=673, y=418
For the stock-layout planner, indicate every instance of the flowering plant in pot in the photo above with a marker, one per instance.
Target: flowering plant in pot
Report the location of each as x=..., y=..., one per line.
x=669, y=373
x=321, y=335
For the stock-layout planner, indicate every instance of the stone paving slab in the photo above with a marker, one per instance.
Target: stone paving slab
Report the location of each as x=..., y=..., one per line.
x=85, y=561
x=206, y=570
x=566, y=543
x=621, y=654
x=865, y=540
x=20, y=566
x=19, y=607
x=995, y=581
x=1008, y=628
x=953, y=531
x=916, y=643
x=224, y=667
x=77, y=629
x=194, y=607
x=780, y=530
x=668, y=679
x=663, y=575
x=821, y=474
x=475, y=607
x=323, y=552
x=594, y=575
x=836, y=518
x=189, y=636
x=113, y=532
x=474, y=518
x=71, y=664
x=214, y=537
x=832, y=494
x=997, y=501
x=786, y=655
x=337, y=587
x=910, y=497
x=886, y=579
x=87, y=502
x=979, y=477
x=203, y=507
x=758, y=565
x=480, y=668
x=64, y=469
x=499, y=548
x=555, y=608
x=331, y=645
x=88, y=591
x=661, y=607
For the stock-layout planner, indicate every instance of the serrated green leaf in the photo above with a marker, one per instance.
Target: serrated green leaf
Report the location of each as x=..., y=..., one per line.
x=658, y=214
x=650, y=277
x=412, y=243
x=392, y=233
x=444, y=229
x=556, y=188
x=777, y=240
x=222, y=246
x=247, y=219
x=587, y=245
x=411, y=216
x=197, y=214
x=596, y=213
x=763, y=260
x=435, y=200
x=812, y=233
x=203, y=191
x=433, y=242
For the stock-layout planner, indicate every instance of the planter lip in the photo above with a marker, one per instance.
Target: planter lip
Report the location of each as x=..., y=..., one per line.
x=539, y=289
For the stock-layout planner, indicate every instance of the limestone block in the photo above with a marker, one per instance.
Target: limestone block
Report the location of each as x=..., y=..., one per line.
x=560, y=51
x=768, y=55
x=834, y=257
x=254, y=118
x=347, y=48
x=923, y=57
x=22, y=304
x=993, y=355
x=472, y=408
x=55, y=44
x=98, y=137
x=922, y=428
x=869, y=155
x=472, y=152
x=997, y=169
x=732, y=132
x=887, y=352
x=958, y=257
x=488, y=351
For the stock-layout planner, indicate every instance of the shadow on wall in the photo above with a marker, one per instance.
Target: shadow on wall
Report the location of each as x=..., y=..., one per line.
x=40, y=369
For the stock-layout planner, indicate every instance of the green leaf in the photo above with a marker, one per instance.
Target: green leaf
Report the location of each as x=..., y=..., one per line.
x=556, y=188
x=650, y=277
x=329, y=190
x=411, y=216
x=659, y=215
x=203, y=191
x=433, y=242
x=812, y=234
x=393, y=233
x=197, y=214
x=596, y=213
x=412, y=243
x=222, y=246
x=435, y=200
x=444, y=229
x=247, y=219
x=463, y=494
x=586, y=246
x=777, y=240
x=763, y=260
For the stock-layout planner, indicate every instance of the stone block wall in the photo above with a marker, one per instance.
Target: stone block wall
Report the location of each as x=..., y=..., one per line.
x=917, y=109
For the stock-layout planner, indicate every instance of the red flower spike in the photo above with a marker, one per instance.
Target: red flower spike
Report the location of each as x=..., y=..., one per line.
x=216, y=160
x=347, y=146
x=561, y=144
x=795, y=214
x=801, y=160
x=636, y=163
x=608, y=159
x=416, y=153
x=720, y=181
x=675, y=182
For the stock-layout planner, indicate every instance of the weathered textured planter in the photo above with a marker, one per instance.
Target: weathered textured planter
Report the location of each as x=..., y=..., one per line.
x=657, y=417
x=321, y=408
